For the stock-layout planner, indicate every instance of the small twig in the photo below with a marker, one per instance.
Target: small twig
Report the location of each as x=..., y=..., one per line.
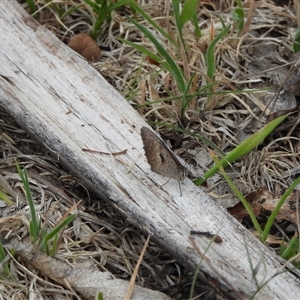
x=105, y=153
x=216, y=238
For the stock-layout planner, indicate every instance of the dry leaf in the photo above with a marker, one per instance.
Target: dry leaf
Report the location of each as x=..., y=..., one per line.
x=262, y=201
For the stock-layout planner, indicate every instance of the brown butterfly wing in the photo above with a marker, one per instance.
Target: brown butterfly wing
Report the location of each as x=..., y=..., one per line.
x=160, y=158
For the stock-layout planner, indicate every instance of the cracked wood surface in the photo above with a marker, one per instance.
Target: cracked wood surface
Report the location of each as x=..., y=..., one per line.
x=66, y=105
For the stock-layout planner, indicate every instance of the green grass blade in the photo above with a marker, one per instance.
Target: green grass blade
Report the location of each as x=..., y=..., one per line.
x=94, y=6
x=117, y=5
x=291, y=249
x=103, y=11
x=5, y=267
x=296, y=43
x=189, y=10
x=54, y=246
x=31, y=6
x=2, y=252
x=196, y=26
x=34, y=225
x=5, y=198
x=55, y=231
x=198, y=269
x=274, y=213
x=176, y=9
x=169, y=62
x=32, y=232
x=210, y=54
x=135, y=7
x=238, y=193
x=245, y=147
x=238, y=16
x=186, y=98
x=143, y=50
x=100, y=296
x=70, y=11
x=102, y=15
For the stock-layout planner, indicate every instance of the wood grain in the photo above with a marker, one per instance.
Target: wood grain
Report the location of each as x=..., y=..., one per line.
x=61, y=100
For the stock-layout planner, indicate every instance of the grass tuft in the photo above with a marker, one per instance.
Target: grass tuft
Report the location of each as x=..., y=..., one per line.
x=37, y=233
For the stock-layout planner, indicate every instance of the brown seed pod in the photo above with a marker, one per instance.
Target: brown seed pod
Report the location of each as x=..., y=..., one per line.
x=85, y=46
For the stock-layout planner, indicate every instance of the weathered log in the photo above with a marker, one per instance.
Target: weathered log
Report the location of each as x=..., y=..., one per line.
x=65, y=104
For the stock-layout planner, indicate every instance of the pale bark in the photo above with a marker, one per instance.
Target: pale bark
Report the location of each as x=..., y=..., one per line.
x=64, y=103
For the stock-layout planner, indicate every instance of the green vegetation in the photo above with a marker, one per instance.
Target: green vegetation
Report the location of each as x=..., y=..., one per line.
x=48, y=242
x=5, y=267
x=296, y=44
x=239, y=17
x=242, y=149
x=103, y=10
x=263, y=233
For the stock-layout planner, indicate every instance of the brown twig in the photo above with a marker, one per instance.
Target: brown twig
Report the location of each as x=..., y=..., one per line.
x=105, y=153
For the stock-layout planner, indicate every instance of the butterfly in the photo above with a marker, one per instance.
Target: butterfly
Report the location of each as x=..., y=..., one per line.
x=161, y=158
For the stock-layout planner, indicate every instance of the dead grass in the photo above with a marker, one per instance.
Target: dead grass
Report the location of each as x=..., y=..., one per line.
x=100, y=237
